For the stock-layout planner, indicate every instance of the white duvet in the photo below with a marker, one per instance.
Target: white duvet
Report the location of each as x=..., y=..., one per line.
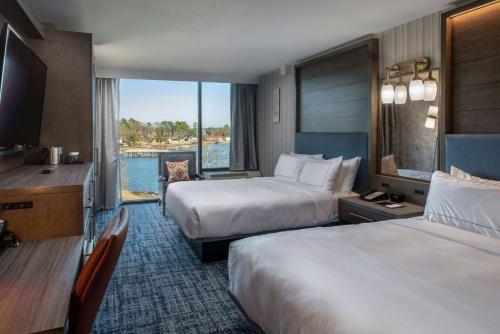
x=222, y=208
x=401, y=276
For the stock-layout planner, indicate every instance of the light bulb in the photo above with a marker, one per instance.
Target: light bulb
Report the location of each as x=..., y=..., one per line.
x=430, y=90
x=400, y=94
x=387, y=93
x=417, y=89
x=433, y=111
x=430, y=122
x=432, y=116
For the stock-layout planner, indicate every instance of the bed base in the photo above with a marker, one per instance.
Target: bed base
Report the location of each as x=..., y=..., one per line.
x=208, y=251
x=217, y=249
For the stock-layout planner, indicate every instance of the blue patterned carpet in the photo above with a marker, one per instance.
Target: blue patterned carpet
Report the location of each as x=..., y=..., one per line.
x=160, y=286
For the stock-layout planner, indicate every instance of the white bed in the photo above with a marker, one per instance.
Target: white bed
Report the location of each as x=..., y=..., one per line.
x=401, y=276
x=224, y=208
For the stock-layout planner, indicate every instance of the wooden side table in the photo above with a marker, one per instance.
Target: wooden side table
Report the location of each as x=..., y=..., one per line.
x=354, y=210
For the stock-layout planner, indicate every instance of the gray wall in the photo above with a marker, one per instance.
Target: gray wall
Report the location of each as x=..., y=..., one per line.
x=275, y=138
x=419, y=38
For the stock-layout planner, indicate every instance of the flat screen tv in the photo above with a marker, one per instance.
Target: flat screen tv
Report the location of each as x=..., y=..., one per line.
x=22, y=90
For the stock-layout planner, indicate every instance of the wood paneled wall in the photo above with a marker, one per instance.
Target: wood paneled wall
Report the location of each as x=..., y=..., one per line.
x=275, y=138
x=334, y=93
x=474, y=82
x=68, y=107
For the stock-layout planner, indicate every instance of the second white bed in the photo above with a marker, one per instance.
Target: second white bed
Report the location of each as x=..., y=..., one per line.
x=225, y=208
x=401, y=276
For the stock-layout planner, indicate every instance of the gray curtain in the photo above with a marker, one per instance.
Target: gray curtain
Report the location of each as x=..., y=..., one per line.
x=243, y=152
x=107, y=143
x=389, y=138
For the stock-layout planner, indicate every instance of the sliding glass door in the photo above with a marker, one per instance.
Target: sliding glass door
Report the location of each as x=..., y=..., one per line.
x=160, y=116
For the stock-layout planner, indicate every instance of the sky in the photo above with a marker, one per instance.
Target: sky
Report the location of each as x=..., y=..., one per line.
x=157, y=100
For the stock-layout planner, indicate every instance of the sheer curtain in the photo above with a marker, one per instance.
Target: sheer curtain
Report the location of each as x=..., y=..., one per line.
x=107, y=143
x=243, y=152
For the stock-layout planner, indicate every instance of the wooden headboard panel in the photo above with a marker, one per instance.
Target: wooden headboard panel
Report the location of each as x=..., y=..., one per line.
x=471, y=49
x=337, y=91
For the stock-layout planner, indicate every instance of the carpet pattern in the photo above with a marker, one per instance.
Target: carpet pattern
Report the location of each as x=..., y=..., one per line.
x=160, y=286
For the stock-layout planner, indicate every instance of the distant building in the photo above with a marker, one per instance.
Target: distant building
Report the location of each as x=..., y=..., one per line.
x=214, y=139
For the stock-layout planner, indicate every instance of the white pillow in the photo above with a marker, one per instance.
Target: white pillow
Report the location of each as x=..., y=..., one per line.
x=467, y=204
x=347, y=175
x=289, y=167
x=320, y=173
x=457, y=172
x=306, y=156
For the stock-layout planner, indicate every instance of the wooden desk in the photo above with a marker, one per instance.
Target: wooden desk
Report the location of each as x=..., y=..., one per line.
x=36, y=283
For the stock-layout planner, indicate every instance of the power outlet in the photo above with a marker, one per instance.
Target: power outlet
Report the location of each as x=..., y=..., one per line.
x=17, y=206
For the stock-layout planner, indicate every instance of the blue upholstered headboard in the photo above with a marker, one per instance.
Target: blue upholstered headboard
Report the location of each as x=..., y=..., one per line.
x=478, y=155
x=332, y=145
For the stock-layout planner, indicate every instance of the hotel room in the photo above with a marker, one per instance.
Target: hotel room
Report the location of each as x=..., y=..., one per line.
x=280, y=166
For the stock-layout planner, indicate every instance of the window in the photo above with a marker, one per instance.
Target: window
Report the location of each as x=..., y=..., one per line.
x=155, y=116
x=158, y=116
x=215, y=120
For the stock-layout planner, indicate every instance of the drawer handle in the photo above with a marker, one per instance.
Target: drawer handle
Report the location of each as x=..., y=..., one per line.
x=361, y=217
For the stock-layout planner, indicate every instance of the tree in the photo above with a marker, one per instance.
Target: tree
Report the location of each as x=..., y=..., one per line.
x=181, y=128
x=226, y=131
x=133, y=138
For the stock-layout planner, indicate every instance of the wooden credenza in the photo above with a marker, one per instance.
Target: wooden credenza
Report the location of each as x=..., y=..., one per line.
x=42, y=206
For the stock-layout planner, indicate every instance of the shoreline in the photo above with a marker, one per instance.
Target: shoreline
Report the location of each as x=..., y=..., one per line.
x=148, y=148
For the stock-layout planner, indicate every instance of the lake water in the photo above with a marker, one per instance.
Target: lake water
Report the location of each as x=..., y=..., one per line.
x=141, y=174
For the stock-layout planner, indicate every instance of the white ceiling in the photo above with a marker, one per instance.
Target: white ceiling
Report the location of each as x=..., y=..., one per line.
x=233, y=40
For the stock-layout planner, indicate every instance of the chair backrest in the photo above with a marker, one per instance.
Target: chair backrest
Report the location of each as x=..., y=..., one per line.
x=94, y=278
x=177, y=156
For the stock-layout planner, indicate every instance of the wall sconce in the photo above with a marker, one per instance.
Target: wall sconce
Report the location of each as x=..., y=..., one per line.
x=430, y=88
x=400, y=93
x=432, y=116
x=416, y=86
x=387, y=92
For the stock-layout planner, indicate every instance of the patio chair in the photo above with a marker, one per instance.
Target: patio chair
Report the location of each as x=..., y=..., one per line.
x=175, y=156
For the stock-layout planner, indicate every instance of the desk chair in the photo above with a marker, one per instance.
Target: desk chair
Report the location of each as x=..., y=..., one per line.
x=93, y=281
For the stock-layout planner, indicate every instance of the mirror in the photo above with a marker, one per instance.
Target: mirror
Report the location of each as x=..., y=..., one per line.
x=408, y=136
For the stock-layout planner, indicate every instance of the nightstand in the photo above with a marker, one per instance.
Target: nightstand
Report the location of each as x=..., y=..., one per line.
x=353, y=210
